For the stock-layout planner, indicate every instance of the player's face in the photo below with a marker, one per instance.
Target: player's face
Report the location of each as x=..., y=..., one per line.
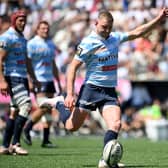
x=43, y=30
x=20, y=24
x=104, y=27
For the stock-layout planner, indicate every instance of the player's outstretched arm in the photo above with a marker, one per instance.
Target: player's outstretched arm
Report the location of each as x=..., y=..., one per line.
x=145, y=28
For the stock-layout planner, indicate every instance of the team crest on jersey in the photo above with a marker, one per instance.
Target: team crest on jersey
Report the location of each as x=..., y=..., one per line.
x=79, y=51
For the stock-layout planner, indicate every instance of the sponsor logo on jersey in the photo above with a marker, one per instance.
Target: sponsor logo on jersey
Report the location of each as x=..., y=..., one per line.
x=79, y=51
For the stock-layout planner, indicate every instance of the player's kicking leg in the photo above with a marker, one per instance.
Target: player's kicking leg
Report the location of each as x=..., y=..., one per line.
x=58, y=103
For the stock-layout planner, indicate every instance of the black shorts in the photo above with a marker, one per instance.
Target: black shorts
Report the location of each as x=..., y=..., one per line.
x=92, y=97
x=46, y=87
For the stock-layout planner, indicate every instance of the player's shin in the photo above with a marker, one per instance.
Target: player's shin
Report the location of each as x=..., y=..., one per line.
x=8, y=132
x=110, y=135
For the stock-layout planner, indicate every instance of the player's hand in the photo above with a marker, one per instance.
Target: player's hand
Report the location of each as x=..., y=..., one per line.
x=4, y=90
x=164, y=12
x=70, y=101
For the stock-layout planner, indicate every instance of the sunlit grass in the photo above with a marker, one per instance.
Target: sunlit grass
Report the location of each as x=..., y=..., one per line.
x=85, y=151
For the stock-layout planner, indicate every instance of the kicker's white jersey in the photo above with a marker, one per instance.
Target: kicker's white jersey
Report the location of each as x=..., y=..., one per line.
x=101, y=58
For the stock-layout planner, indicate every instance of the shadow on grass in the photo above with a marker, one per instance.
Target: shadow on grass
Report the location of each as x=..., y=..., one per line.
x=89, y=166
x=133, y=166
x=147, y=166
x=57, y=154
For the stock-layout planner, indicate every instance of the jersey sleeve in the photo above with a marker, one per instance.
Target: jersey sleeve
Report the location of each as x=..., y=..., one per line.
x=121, y=36
x=83, y=50
x=5, y=42
x=30, y=50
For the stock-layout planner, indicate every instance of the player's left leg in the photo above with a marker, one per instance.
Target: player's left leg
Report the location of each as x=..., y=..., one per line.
x=19, y=124
x=8, y=133
x=112, y=117
x=43, y=113
x=76, y=119
x=47, y=121
x=20, y=95
x=35, y=117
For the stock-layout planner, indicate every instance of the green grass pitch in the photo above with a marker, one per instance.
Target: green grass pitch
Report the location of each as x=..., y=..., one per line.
x=85, y=151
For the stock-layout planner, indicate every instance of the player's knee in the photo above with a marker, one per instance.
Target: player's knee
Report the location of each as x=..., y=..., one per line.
x=76, y=120
x=116, y=125
x=46, y=108
x=71, y=127
x=13, y=112
x=25, y=108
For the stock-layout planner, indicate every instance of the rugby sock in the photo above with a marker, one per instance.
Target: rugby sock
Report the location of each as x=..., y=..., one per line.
x=19, y=123
x=110, y=135
x=29, y=126
x=46, y=132
x=8, y=132
x=64, y=111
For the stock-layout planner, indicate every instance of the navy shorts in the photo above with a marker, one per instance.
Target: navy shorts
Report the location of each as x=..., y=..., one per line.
x=92, y=97
x=17, y=84
x=46, y=87
x=19, y=90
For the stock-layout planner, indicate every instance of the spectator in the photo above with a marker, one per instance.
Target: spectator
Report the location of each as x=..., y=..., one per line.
x=140, y=96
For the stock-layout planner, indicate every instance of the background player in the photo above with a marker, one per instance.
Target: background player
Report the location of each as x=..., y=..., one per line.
x=41, y=54
x=13, y=81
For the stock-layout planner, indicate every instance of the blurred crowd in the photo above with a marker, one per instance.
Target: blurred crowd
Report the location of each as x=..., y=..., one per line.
x=143, y=59
x=70, y=20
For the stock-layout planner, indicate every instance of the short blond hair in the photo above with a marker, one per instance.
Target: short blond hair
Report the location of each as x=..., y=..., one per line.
x=105, y=14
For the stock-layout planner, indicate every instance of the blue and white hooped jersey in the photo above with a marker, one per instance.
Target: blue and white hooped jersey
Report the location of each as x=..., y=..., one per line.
x=101, y=58
x=42, y=54
x=15, y=46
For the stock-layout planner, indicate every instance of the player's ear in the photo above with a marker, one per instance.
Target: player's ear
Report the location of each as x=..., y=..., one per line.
x=96, y=22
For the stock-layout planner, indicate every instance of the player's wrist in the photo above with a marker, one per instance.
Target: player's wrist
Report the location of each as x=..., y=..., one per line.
x=70, y=94
x=2, y=80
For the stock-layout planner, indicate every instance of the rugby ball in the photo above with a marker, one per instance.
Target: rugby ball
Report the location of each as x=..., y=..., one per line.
x=112, y=152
